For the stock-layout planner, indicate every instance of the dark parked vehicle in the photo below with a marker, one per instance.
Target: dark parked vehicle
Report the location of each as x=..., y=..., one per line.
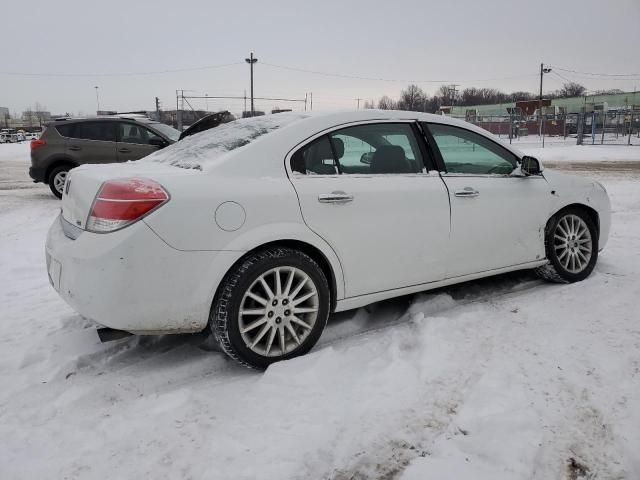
x=210, y=121
x=67, y=143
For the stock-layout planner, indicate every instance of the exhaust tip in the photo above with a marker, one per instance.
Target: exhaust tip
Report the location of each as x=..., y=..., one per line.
x=107, y=334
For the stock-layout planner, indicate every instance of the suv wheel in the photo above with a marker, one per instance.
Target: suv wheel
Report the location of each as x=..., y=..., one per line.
x=56, y=180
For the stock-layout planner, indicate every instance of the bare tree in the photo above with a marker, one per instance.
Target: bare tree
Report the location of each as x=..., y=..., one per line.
x=571, y=89
x=369, y=104
x=386, y=103
x=412, y=98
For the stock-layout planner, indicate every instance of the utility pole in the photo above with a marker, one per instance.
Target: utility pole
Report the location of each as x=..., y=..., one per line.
x=251, y=60
x=178, y=111
x=543, y=70
x=311, y=95
x=358, y=100
x=157, y=109
x=97, y=99
x=453, y=90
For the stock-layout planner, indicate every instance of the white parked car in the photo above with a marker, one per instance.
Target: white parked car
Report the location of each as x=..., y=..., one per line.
x=31, y=136
x=261, y=227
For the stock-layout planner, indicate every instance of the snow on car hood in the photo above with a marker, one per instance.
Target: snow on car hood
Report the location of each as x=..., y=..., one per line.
x=205, y=149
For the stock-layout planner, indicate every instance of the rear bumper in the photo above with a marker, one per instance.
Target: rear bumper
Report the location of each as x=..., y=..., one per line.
x=37, y=174
x=131, y=280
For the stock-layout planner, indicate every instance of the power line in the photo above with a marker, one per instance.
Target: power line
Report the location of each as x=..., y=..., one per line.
x=121, y=74
x=561, y=76
x=598, y=74
x=380, y=79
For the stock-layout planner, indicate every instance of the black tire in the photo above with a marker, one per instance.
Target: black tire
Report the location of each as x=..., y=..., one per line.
x=555, y=270
x=52, y=179
x=224, y=318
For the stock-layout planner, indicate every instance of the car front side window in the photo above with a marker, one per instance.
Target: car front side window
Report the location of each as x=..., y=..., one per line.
x=467, y=152
x=130, y=133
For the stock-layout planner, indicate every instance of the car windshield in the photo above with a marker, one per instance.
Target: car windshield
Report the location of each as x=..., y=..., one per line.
x=203, y=149
x=167, y=131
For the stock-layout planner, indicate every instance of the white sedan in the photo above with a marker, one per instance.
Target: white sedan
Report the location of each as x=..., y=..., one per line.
x=259, y=228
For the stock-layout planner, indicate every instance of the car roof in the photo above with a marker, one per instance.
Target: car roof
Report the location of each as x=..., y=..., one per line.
x=109, y=118
x=243, y=146
x=105, y=118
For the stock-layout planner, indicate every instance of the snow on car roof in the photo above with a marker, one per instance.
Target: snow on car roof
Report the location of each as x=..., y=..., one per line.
x=206, y=148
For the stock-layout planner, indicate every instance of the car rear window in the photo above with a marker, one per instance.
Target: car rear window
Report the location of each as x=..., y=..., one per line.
x=203, y=149
x=103, y=131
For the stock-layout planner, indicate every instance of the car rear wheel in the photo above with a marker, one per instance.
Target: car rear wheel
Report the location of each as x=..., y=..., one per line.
x=272, y=306
x=571, y=241
x=56, y=180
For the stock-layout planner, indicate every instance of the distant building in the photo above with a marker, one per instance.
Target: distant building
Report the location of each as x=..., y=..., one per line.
x=4, y=117
x=33, y=118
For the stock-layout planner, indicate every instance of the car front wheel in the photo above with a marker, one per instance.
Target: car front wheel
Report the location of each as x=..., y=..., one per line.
x=571, y=240
x=271, y=306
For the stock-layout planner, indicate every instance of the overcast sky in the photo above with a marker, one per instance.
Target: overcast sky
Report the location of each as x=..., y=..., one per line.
x=80, y=44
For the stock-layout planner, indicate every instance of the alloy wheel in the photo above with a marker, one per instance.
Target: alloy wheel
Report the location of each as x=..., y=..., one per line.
x=278, y=311
x=58, y=181
x=572, y=243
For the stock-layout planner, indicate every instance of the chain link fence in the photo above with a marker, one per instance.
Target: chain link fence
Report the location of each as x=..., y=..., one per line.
x=613, y=127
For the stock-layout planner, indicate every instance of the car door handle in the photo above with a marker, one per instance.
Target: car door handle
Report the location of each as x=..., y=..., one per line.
x=467, y=192
x=124, y=150
x=335, y=197
x=75, y=148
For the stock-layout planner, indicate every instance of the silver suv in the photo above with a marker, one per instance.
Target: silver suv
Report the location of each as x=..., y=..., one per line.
x=67, y=143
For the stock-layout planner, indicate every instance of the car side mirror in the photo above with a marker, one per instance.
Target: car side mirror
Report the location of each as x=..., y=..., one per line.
x=157, y=142
x=530, y=165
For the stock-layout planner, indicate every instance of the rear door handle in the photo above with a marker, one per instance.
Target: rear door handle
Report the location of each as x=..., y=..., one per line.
x=74, y=148
x=335, y=197
x=467, y=192
x=124, y=150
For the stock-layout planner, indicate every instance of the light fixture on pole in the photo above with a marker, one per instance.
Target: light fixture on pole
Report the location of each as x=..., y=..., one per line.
x=97, y=99
x=543, y=70
x=251, y=60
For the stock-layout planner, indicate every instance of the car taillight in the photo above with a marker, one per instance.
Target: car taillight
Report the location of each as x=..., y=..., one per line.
x=37, y=144
x=122, y=202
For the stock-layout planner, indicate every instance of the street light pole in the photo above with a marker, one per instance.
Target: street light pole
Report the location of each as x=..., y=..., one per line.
x=543, y=70
x=97, y=99
x=251, y=60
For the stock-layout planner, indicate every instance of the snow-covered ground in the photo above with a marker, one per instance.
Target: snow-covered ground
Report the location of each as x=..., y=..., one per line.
x=15, y=152
x=504, y=378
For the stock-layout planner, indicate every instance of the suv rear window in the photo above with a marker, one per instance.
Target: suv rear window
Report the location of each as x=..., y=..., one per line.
x=105, y=131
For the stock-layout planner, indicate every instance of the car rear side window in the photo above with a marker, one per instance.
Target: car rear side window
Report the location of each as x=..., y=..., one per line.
x=316, y=158
x=65, y=130
x=104, y=131
x=377, y=148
